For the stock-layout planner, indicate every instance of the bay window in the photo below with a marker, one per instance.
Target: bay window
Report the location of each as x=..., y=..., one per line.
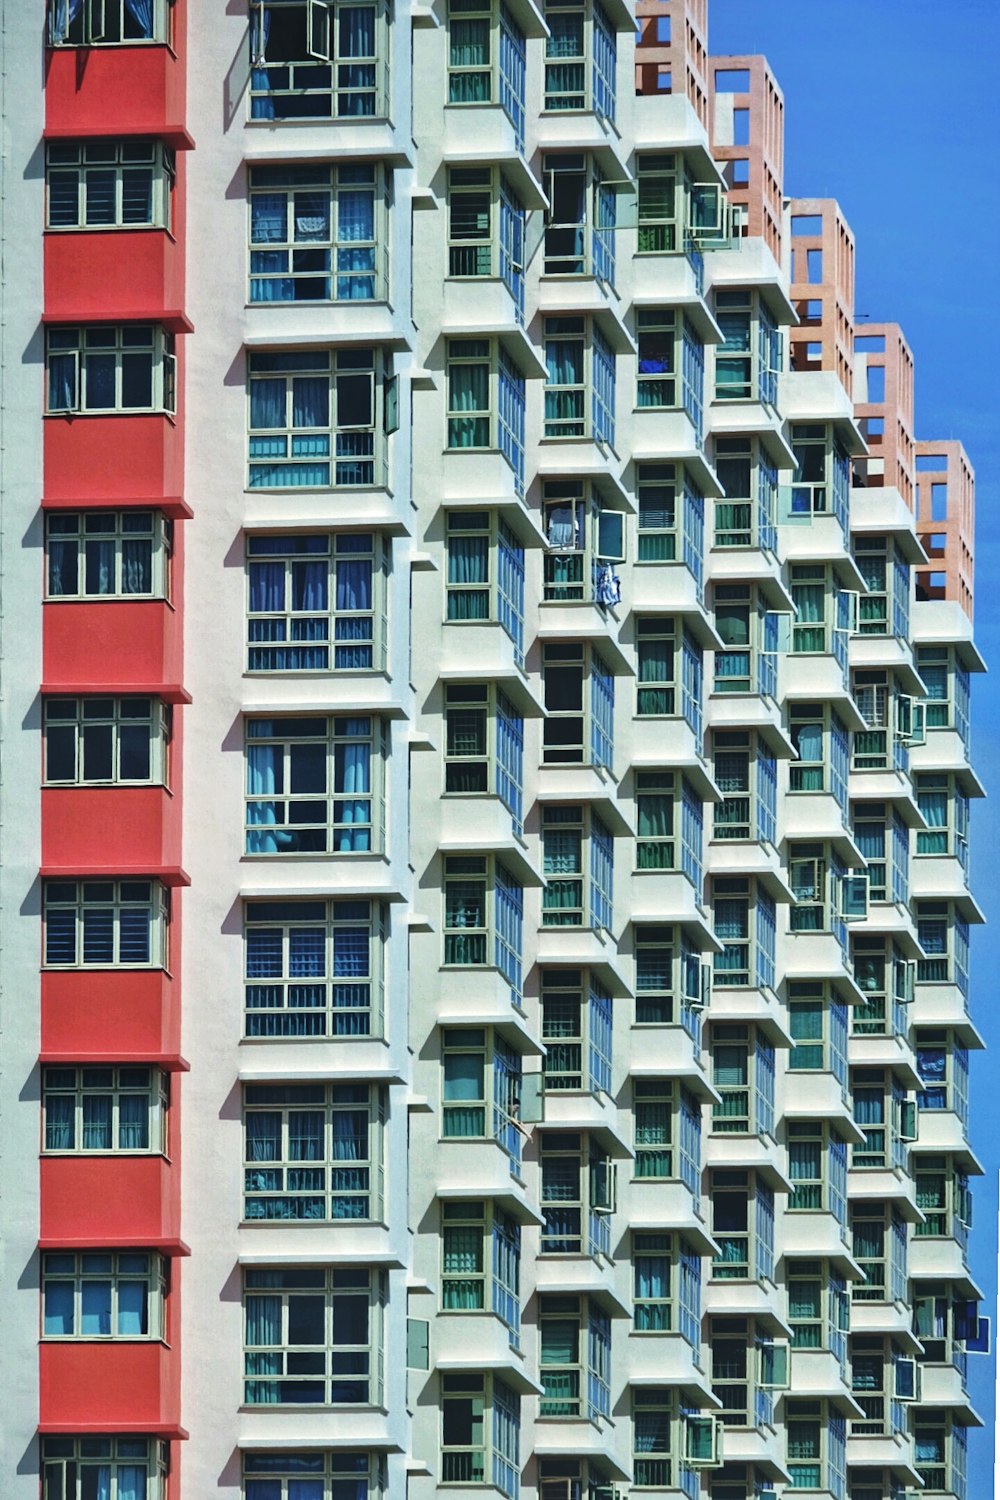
x=318, y=60
x=817, y=1021
x=670, y=817
x=746, y=772
x=574, y=1362
x=103, y=1294
x=128, y=1468
x=884, y=840
x=946, y=680
x=485, y=574
x=816, y=1435
x=480, y=1432
x=881, y=1381
x=484, y=745
x=314, y=1476
x=894, y=722
x=112, y=741
x=944, y=1194
x=486, y=59
x=483, y=912
x=486, y=222
x=821, y=742
x=749, y=479
x=576, y=1029
x=319, y=233
x=313, y=1336
x=579, y=229
x=486, y=402
x=481, y=1089
x=314, y=785
x=574, y=1479
x=745, y=923
x=578, y=863
x=941, y=1451
x=878, y=1244
x=822, y=484
x=671, y=364
x=668, y=980
x=316, y=602
x=667, y=1120
x=817, y=1166
x=885, y=1116
x=751, y=635
x=943, y=933
x=670, y=1441
x=670, y=670
x=313, y=1151
x=671, y=526
x=823, y=612
x=583, y=541
x=885, y=608
x=578, y=1195
x=105, y=924
x=105, y=369
x=104, y=1109
x=943, y=1066
x=580, y=381
x=826, y=897
x=945, y=807
x=743, y=1075
x=480, y=1261
x=108, y=554
x=313, y=968
x=885, y=978
x=109, y=23
x=819, y=1308
x=579, y=705
x=318, y=418
x=666, y=1287
x=663, y=184
x=580, y=58
x=108, y=184
x=749, y=359
x=743, y=1226
x=944, y=1321
x=747, y=1367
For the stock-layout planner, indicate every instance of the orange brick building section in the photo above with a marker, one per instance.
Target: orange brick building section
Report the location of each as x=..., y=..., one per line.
x=946, y=517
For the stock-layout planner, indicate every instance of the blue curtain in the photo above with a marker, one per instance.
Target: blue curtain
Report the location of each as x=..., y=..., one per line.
x=97, y=1123
x=809, y=742
x=63, y=18
x=267, y=403
x=267, y=587
x=263, y=1321
x=264, y=769
x=142, y=10
x=354, y=584
x=137, y=567
x=356, y=31
x=268, y=218
x=62, y=382
x=352, y=776
x=58, y=1307
x=59, y=1122
x=356, y=222
x=132, y=1314
x=95, y=1308
x=133, y=1122
x=131, y=1482
x=311, y=401
x=260, y=30
x=263, y=1136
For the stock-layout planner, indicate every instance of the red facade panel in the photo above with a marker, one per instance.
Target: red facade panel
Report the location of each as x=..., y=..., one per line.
x=118, y=828
x=80, y=267
x=119, y=1014
x=114, y=1385
x=111, y=1200
x=116, y=644
x=120, y=457
x=125, y=90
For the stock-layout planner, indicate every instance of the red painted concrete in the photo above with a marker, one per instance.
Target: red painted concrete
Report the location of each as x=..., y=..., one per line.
x=119, y=1014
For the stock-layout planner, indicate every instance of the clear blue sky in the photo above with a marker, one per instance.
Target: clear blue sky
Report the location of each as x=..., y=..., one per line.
x=891, y=107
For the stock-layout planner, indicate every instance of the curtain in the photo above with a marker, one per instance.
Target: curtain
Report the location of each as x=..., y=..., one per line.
x=97, y=1123
x=63, y=566
x=142, y=11
x=263, y=1321
x=99, y=566
x=268, y=218
x=264, y=777
x=62, y=382
x=131, y=1482
x=310, y=401
x=58, y=1307
x=95, y=1308
x=305, y=1135
x=352, y=775
x=133, y=1122
x=96, y=1481
x=137, y=566
x=133, y=1319
x=263, y=1140
x=468, y=564
x=267, y=403
x=468, y=391
x=462, y=1259
x=59, y=1122
x=64, y=13
x=267, y=587
x=356, y=222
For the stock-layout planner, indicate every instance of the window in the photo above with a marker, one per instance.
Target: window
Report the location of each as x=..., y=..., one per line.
x=668, y=969
x=96, y=370
x=579, y=706
x=479, y=71
x=580, y=381
x=884, y=840
x=576, y=1029
x=103, y=1295
x=885, y=609
x=743, y=1075
x=108, y=184
x=662, y=183
x=314, y=417
x=580, y=58
x=312, y=1151
x=484, y=745
x=945, y=807
x=483, y=915
x=886, y=1117
x=486, y=401
x=578, y=1195
x=313, y=1476
x=671, y=524
x=480, y=1261
x=669, y=1442
x=816, y=1435
x=101, y=1110
x=668, y=655
x=822, y=617
x=743, y=1220
x=319, y=233
x=118, y=741
x=747, y=1367
x=481, y=1095
x=308, y=591
x=108, y=554
x=749, y=359
x=583, y=540
x=944, y=1321
x=667, y=1120
x=575, y=1358
x=669, y=824
x=109, y=23
x=881, y=1381
x=817, y=1166
x=666, y=1286
x=891, y=724
x=575, y=1478
x=314, y=968
x=817, y=1022
x=822, y=484
x=485, y=577
x=578, y=863
x=820, y=739
x=480, y=1432
x=947, y=684
x=943, y=933
x=105, y=924
x=749, y=479
x=752, y=635
x=746, y=772
x=940, y=1451
x=579, y=229
x=826, y=897
x=314, y=785
x=943, y=1066
x=819, y=1309
x=128, y=1468
x=313, y=1337
x=671, y=364
x=745, y=924
x=944, y=1195
x=486, y=223
x=885, y=977
x=318, y=59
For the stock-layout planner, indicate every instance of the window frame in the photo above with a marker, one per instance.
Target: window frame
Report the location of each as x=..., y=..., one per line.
x=497, y=250
x=158, y=720
x=486, y=1403
x=155, y=1090
x=596, y=72
x=326, y=1281
x=330, y=1466
x=300, y=557
x=494, y=1116
x=592, y=1203
x=158, y=157
x=499, y=426
x=116, y=1273
x=340, y=821
x=121, y=898
x=92, y=31
x=761, y=353
x=366, y=76
x=744, y=755
x=592, y=409
x=331, y=1103
x=65, y=1468
x=595, y=542
x=482, y=711
x=483, y=1279
x=595, y=843
x=79, y=349
x=333, y=916
x=497, y=597
x=100, y=525
x=320, y=180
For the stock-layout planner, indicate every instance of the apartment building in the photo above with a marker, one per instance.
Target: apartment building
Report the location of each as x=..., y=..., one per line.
x=464, y=564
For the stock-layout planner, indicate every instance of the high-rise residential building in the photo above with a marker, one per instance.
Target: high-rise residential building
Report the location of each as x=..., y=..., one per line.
x=464, y=564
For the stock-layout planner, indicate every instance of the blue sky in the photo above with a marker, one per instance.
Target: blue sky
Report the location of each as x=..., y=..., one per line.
x=891, y=107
